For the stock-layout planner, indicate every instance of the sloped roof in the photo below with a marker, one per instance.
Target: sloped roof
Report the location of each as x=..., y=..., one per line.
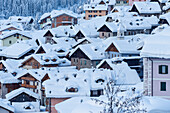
x=16, y=50
x=92, y=52
x=147, y=7
x=16, y=92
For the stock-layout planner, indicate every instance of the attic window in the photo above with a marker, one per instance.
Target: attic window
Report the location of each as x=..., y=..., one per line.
x=131, y=23
x=71, y=89
x=85, y=80
x=50, y=92
x=66, y=78
x=75, y=75
x=117, y=20
x=60, y=51
x=28, y=107
x=64, y=62
x=54, y=60
x=47, y=60
x=150, y=8
x=99, y=80
x=71, y=27
x=137, y=24
x=66, y=33
x=19, y=19
x=137, y=19
x=66, y=40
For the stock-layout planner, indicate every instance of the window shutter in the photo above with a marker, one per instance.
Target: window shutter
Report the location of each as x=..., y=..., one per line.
x=166, y=69
x=160, y=69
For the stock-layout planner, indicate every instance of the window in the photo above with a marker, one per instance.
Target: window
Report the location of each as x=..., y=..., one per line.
x=90, y=11
x=95, y=11
x=90, y=15
x=125, y=2
x=10, y=42
x=97, y=62
x=64, y=18
x=163, y=86
x=85, y=62
x=81, y=62
x=95, y=15
x=27, y=82
x=15, y=35
x=102, y=34
x=163, y=69
x=100, y=11
x=69, y=18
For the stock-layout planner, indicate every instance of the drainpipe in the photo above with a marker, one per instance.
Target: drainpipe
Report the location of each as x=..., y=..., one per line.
x=152, y=77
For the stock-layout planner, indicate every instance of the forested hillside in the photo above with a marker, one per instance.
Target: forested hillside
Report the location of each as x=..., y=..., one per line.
x=36, y=7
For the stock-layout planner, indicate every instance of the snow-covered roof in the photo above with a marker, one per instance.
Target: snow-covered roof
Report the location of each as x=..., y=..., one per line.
x=48, y=58
x=122, y=8
x=56, y=13
x=11, y=64
x=16, y=50
x=147, y=7
x=122, y=72
x=156, y=46
x=165, y=16
x=95, y=7
x=123, y=46
x=10, y=33
x=16, y=92
x=129, y=21
x=93, y=52
x=5, y=27
x=5, y=104
x=21, y=19
x=45, y=15
x=7, y=78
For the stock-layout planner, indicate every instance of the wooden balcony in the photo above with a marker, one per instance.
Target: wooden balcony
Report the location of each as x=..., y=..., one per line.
x=28, y=86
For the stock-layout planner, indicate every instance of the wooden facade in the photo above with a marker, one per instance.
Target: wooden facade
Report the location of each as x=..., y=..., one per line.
x=63, y=19
x=30, y=82
x=105, y=65
x=81, y=60
x=32, y=63
x=7, y=88
x=23, y=97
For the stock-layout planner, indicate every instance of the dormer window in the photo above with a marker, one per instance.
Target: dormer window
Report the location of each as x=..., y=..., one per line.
x=99, y=81
x=47, y=60
x=71, y=89
x=54, y=60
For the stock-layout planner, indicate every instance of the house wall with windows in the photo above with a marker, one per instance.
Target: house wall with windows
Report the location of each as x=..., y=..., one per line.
x=94, y=13
x=63, y=20
x=157, y=77
x=12, y=39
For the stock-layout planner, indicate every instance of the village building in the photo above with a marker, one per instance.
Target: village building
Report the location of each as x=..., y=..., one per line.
x=146, y=9
x=8, y=83
x=24, y=100
x=164, y=19
x=37, y=61
x=11, y=37
x=87, y=56
x=16, y=51
x=131, y=26
x=121, y=48
x=58, y=18
x=156, y=66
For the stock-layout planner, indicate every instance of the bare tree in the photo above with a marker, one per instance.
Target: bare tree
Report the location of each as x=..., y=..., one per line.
x=121, y=104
